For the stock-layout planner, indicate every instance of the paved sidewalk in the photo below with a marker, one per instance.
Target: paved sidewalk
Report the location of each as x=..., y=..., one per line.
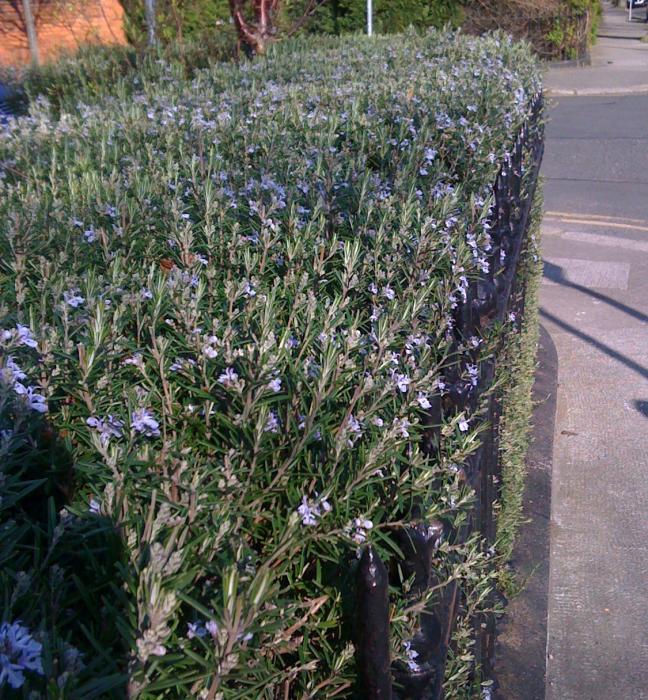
x=619, y=59
x=595, y=306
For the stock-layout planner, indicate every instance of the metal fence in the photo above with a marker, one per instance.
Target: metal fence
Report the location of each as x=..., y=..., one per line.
x=490, y=298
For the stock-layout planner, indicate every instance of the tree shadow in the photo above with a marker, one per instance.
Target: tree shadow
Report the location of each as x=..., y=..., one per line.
x=610, y=352
x=555, y=273
x=642, y=407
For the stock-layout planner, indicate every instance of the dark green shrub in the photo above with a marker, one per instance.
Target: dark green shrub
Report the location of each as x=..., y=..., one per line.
x=179, y=22
x=202, y=19
x=340, y=16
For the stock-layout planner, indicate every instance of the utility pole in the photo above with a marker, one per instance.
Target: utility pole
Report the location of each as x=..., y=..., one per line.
x=369, y=18
x=149, y=12
x=30, y=27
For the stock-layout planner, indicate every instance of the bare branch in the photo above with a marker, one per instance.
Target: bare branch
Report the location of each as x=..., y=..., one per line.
x=255, y=34
x=308, y=13
x=245, y=32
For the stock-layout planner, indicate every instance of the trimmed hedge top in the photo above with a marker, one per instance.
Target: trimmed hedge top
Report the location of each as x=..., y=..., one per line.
x=234, y=298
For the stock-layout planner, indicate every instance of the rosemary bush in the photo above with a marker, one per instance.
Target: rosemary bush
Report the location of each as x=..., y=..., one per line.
x=225, y=304
x=93, y=71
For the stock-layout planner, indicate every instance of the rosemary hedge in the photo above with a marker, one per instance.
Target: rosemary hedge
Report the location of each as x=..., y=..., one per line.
x=225, y=305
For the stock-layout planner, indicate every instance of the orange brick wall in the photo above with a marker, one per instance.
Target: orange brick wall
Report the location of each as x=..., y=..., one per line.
x=62, y=26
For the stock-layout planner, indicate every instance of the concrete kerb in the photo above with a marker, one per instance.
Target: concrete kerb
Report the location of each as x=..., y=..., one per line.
x=573, y=63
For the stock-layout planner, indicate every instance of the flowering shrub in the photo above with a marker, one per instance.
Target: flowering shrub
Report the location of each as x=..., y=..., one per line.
x=226, y=306
x=91, y=72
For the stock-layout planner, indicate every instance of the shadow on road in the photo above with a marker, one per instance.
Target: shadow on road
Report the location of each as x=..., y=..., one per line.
x=610, y=352
x=555, y=273
x=642, y=407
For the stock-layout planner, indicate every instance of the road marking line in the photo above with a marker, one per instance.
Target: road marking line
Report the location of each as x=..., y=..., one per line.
x=606, y=224
x=575, y=215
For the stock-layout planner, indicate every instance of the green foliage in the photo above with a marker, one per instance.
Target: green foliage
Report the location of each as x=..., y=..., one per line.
x=177, y=21
x=94, y=71
x=596, y=13
x=567, y=33
x=584, y=5
x=556, y=35
x=234, y=293
x=194, y=35
x=202, y=19
x=556, y=31
x=342, y=16
x=85, y=75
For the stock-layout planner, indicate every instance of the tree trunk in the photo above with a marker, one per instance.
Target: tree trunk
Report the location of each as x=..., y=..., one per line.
x=30, y=27
x=151, y=32
x=254, y=35
x=256, y=27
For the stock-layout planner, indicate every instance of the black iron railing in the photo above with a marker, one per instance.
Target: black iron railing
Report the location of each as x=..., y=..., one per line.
x=490, y=299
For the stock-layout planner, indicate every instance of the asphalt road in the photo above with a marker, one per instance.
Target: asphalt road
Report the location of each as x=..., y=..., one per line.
x=594, y=302
x=596, y=159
